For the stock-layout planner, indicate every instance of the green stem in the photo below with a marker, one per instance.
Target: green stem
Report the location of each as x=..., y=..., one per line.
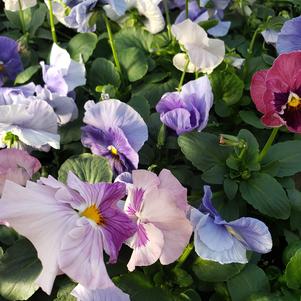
x=167, y=19
x=184, y=255
x=51, y=19
x=268, y=144
x=251, y=47
x=21, y=15
x=187, y=8
x=112, y=44
x=183, y=74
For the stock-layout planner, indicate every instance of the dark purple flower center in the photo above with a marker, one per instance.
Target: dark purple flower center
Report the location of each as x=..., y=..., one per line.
x=288, y=106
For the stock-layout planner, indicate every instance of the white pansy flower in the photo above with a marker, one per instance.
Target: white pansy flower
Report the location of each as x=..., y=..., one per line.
x=204, y=54
x=13, y=5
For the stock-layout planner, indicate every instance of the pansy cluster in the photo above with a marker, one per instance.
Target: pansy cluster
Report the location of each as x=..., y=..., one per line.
x=120, y=154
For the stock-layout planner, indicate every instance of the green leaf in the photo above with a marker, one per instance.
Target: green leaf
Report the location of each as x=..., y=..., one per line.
x=189, y=295
x=249, y=117
x=27, y=74
x=141, y=105
x=38, y=18
x=290, y=251
x=288, y=157
x=215, y=174
x=19, y=268
x=266, y=195
x=227, y=86
x=182, y=278
x=211, y=271
x=293, y=271
x=89, y=168
x=103, y=72
x=251, y=280
x=82, y=46
x=134, y=62
x=65, y=288
x=203, y=150
x=230, y=188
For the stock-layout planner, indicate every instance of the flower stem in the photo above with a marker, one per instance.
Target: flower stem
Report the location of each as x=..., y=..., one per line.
x=183, y=74
x=187, y=9
x=21, y=15
x=112, y=44
x=51, y=19
x=268, y=144
x=167, y=19
x=185, y=255
x=251, y=47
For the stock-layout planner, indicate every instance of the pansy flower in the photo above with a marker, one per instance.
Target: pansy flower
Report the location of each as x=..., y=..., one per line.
x=202, y=53
x=198, y=14
x=70, y=226
x=111, y=293
x=63, y=74
x=276, y=92
x=187, y=110
x=116, y=131
x=17, y=166
x=158, y=205
x=10, y=61
x=28, y=123
x=289, y=38
x=14, y=5
x=226, y=242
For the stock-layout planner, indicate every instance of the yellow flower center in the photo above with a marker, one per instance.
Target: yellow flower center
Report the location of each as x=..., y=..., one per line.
x=234, y=233
x=113, y=150
x=93, y=214
x=294, y=101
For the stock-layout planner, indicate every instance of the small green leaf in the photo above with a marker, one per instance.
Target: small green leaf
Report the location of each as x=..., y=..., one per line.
x=141, y=105
x=89, y=168
x=251, y=280
x=293, y=271
x=288, y=157
x=82, y=46
x=211, y=271
x=265, y=194
x=134, y=62
x=290, y=251
x=203, y=150
x=182, y=278
x=38, y=18
x=27, y=74
x=103, y=72
x=249, y=117
x=230, y=188
x=19, y=268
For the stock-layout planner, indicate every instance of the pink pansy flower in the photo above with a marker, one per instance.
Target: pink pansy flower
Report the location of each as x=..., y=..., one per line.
x=158, y=204
x=111, y=293
x=17, y=166
x=276, y=92
x=70, y=226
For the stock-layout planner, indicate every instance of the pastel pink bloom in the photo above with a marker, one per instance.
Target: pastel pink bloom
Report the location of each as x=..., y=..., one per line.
x=70, y=226
x=17, y=166
x=112, y=293
x=158, y=204
x=276, y=92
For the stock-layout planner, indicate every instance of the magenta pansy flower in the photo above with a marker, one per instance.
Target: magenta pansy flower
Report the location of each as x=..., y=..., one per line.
x=276, y=92
x=70, y=226
x=17, y=166
x=116, y=131
x=158, y=205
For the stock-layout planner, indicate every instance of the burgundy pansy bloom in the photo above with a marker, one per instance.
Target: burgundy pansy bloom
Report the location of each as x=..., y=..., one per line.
x=276, y=92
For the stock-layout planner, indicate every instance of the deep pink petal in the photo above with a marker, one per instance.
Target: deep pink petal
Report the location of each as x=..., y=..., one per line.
x=257, y=89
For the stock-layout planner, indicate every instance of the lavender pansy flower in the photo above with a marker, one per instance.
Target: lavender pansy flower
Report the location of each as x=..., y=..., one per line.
x=118, y=6
x=198, y=14
x=28, y=123
x=10, y=61
x=14, y=5
x=71, y=226
x=112, y=293
x=9, y=95
x=63, y=74
x=64, y=106
x=154, y=20
x=187, y=110
x=116, y=131
x=226, y=242
x=17, y=166
x=289, y=38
